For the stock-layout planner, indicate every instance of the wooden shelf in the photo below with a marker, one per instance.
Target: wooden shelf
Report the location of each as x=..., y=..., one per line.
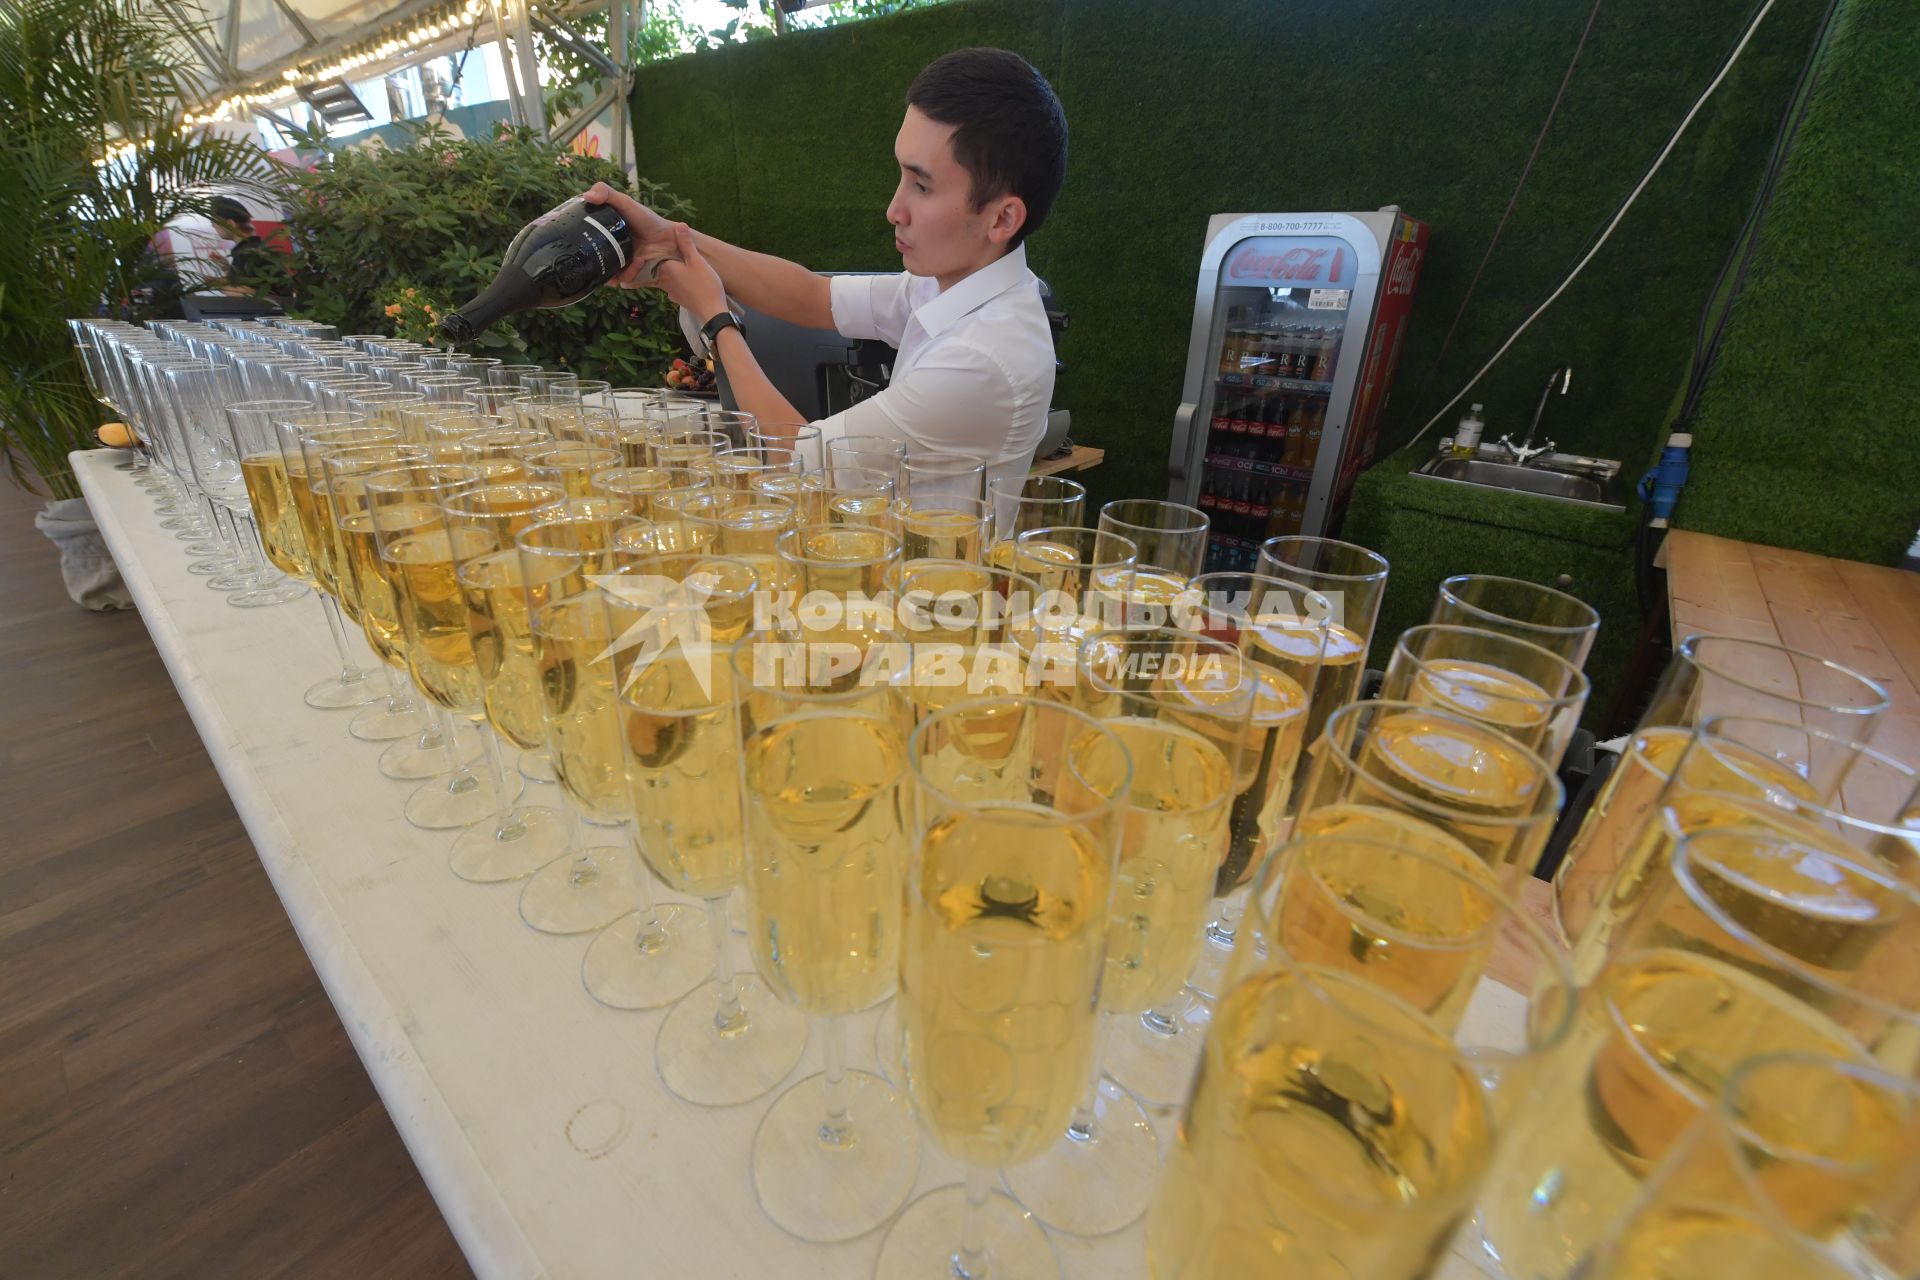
x=1083, y=458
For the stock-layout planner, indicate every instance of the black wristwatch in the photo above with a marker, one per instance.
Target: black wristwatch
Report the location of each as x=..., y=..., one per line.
x=711, y=329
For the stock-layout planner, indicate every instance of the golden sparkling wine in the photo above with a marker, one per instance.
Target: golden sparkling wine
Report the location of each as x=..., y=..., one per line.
x=265, y=475
x=999, y=965
x=1485, y=693
x=1314, y=1148
x=1145, y=587
x=581, y=704
x=1170, y=851
x=684, y=747
x=1653, y=1044
x=434, y=611
x=501, y=628
x=1474, y=771
x=347, y=587
x=942, y=535
x=1332, y=682
x=379, y=605
x=1047, y=563
x=1421, y=929
x=316, y=530
x=827, y=840
x=1624, y=842
x=1267, y=763
x=1696, y=1241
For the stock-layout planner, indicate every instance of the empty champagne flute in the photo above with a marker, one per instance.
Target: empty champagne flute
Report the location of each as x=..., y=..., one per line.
x=1554, y=620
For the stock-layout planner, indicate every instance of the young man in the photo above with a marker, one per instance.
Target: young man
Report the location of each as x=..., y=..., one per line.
x=982, y=153
x=233, y=221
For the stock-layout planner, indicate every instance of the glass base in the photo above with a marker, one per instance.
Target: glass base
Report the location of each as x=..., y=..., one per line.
x=338, y=694
x=711, y=1066
x=626, y=969
x=424, y=756
x=925, y=1237
x=1154, y=1065
x=263, y=597
x=537, y=766
x=511, y=845
x=378, y=722
x=581, y=892
x=207, y=566
x=888, y=1047
x=446, y=803
x=1096, y=1184
x=817, y=1188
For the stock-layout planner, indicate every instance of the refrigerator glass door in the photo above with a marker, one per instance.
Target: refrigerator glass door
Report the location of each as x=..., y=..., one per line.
x=1279, y=327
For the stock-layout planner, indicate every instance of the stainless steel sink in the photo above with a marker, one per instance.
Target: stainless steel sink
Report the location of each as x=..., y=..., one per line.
x=1560, y=477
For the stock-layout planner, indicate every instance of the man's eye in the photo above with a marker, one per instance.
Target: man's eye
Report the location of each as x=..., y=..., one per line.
x=921, y=187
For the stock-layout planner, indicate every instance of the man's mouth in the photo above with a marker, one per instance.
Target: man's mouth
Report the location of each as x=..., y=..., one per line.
x=901, y=245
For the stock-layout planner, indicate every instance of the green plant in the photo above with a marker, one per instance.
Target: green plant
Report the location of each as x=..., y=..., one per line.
x=435, y=216
x=94, y=161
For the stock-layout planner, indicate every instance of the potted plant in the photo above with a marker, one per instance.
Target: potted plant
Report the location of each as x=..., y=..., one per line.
x=95, y=161
x=389, y=239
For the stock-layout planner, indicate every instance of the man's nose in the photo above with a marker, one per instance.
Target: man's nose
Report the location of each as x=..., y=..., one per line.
x=896, y=212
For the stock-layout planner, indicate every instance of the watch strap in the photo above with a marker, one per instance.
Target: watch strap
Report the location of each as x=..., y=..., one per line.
x=710, y=331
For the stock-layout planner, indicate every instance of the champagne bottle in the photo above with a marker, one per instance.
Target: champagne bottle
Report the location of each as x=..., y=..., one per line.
x=556, y=260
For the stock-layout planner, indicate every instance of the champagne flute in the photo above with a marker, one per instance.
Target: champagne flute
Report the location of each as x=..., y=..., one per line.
x=883, y=454
x=1386, y=1012
x=1172, y=542
x=797, y=443
x=350, y=689
x=1007, y=903
x=415, y=543
x=582, y=890
x=1355, y=580
x=569, y=466
x=823, y=776
x=1182, y=706
x=264, y=471
x=1531, y=694
x=847, y=494
x=509, y=376
x=1751, y=942
x=731, y=1040
x=1382, y=761
x=1554, y=620
x=216, y=461
x=1021, y=503
x=941, y=526
x=925, y=476
x=1709, y=675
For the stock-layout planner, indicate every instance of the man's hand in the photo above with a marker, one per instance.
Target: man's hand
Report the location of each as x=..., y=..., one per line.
x=692, y=282
x=653, y=236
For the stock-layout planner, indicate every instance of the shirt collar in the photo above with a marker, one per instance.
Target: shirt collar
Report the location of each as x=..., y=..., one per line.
x=944, y=309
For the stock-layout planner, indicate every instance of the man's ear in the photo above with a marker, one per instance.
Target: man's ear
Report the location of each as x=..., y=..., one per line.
x=1009, y=215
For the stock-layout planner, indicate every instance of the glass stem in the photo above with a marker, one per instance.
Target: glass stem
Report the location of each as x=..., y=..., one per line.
x=970, y=1260
x=507, y=825
x=1163, y=1018
x=349, y=674
x=650, y=937
x=837, y=1129
x=730, y=1018
x=396, y=697
x=1222, y=928
x=1080, y=1128
x=253, y=560
x=460, y=779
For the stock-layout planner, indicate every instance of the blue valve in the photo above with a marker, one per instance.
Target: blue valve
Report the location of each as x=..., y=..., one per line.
x=1660, y=487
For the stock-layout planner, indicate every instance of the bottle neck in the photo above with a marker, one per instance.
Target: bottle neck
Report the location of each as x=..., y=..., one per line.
x=512, y=290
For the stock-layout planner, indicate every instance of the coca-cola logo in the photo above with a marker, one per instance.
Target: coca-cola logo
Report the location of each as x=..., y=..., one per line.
x=1300, y=263
x=1404, y=271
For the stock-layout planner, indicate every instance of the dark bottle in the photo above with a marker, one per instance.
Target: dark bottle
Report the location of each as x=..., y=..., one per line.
x=557, y=259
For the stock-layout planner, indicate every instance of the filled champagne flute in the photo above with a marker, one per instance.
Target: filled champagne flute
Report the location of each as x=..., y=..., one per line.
x=583, y=889
x=730, y=1040
x=351, y=688
x=1751, y=942
x=637, y=486
x=883, y=454
x=1708, y=675
x=823, y=779
x=1380, y=762
x=940, y=526
x=1021, y=503
x=416, y=546
x=264, y=471
x=1557, y=622
x=1182, y=706
x=1007, y=902
x=927, y=475
x=1362, y=1068
x=482, y=523
x=844, y=493
x=1355, y=580
x=1529, y=693
x=1171, y=547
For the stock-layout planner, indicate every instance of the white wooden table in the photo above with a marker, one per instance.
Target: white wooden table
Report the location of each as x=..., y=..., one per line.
x=534, y=1113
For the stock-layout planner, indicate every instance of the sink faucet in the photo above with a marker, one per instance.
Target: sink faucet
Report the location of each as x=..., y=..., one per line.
x=1524, y=452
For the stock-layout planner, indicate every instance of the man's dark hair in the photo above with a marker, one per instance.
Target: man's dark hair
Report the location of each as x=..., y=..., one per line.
x=231, y=210
x=1009, y=132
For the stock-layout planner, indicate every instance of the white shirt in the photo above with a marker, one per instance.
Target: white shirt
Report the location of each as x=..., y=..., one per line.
x=975, y=371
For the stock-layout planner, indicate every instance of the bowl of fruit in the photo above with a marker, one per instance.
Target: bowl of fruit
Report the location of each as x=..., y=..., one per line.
x=692, y=377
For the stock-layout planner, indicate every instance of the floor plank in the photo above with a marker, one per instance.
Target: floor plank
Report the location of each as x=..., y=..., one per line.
x=177, y=1097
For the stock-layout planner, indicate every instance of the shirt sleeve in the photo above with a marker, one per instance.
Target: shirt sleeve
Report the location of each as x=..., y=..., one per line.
x=870, y=306
x=956, y=399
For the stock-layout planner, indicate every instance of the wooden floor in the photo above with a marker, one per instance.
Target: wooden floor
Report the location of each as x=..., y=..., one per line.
x=177, y=1097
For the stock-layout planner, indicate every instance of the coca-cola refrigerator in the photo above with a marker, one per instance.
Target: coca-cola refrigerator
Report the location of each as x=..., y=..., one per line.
x=1297, y=326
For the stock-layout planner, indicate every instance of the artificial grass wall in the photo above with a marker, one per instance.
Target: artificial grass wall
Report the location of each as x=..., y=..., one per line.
x=1180, y=111
x=1808, y=434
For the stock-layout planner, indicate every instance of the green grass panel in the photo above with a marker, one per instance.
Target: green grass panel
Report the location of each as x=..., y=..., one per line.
x=1808, y=435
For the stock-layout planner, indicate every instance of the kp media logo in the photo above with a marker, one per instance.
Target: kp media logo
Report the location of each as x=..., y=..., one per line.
x=662, y=616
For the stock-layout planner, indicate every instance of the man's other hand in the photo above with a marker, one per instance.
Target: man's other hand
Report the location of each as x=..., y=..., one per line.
x=652, y=234
x=691, y=281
